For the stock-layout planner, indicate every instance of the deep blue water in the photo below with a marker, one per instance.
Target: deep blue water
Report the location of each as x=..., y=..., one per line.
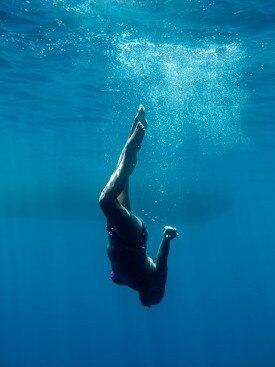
x=72, y=76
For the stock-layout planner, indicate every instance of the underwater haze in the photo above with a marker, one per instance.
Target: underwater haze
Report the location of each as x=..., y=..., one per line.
x=73, y=74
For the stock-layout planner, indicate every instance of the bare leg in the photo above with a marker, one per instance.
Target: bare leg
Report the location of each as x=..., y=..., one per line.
x=126, y=224
x=140, y=117
x=124, y=198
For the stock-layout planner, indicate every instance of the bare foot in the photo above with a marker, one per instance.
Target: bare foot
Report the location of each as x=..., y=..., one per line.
x=140, y=117
x=135, y=140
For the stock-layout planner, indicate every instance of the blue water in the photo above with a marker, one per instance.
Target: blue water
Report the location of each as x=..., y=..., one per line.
x=72, y=76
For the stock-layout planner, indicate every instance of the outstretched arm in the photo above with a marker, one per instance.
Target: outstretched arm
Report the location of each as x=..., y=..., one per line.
x=163, y=252
x=153, y=293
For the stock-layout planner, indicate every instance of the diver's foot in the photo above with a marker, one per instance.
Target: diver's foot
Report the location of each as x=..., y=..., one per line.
x=135, y=140
x=140, y=116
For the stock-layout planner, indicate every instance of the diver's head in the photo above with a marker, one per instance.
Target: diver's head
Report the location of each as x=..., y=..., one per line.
x=151, y=296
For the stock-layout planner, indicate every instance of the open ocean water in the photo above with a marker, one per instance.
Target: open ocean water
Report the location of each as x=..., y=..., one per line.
x=72, y=76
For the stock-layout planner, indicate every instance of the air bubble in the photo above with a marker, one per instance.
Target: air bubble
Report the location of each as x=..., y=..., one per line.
x=192, y=92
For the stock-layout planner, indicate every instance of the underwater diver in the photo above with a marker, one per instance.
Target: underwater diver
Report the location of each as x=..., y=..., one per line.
x=127, y=233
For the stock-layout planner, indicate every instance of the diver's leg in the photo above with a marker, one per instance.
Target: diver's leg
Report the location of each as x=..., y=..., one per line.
x=125, y=167
x=140, y=117
x=124, y=198
x=125, y=223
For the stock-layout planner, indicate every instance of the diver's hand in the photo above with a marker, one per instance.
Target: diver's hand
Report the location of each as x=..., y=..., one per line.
x=170, y=232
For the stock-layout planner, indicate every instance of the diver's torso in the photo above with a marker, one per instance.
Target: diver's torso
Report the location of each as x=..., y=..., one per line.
x=130, y=264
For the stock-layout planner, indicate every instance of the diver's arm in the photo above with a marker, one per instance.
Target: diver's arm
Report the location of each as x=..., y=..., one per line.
x=154, y=290
x=162, y=257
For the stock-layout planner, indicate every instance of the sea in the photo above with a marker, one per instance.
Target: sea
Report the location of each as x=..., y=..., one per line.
x=72, y=75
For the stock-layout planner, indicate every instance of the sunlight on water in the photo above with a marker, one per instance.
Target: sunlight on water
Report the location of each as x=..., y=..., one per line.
x=193, y=95
x=191, y=92
x=80, y=7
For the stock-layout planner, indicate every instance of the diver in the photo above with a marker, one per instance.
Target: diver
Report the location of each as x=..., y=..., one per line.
x=127, y=233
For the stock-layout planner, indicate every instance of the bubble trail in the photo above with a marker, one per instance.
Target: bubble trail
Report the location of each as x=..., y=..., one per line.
x=193, y=92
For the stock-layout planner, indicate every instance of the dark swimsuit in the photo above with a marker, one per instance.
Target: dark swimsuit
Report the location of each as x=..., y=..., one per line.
x=120, y=252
